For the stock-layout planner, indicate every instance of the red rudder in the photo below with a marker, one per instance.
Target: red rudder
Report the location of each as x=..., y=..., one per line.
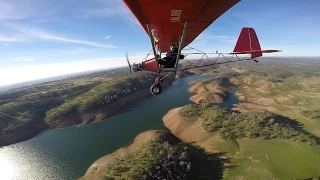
x=248, y=43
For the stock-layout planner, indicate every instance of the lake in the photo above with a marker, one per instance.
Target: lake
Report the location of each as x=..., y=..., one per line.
x=67, y=153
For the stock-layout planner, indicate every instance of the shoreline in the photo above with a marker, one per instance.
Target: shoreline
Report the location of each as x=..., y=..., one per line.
x=186, y=131
x=96, y=170
x=210, y=92
x=25, y=133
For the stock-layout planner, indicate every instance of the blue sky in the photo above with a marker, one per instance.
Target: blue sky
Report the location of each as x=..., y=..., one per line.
x=43, y=38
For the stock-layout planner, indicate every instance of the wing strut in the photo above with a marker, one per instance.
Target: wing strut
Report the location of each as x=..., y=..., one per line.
x=153, y=47
x=184, y=31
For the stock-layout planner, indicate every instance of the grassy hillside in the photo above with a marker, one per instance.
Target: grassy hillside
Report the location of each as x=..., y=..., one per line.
x=234, y=125
x=273, y=133
x=260, y=145
x=35, y=105
x=274, y=159
x=296, y=93
x=153, y=161
x=313, y=114
x=167, y=161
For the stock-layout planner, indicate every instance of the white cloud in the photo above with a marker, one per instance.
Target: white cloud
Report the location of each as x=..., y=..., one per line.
x=48, y=10
x=107, y=37
x=208, y=41
x=43, y=35
x=80, y=51
x=4, y=45
x=290, y=41
x=89, y=43
x=17, y=9
x=221, y=38
x=26, y=73
x=107, y=9
x=13, y=38
x=21, y=59
x=9, y=39
x=104, y=12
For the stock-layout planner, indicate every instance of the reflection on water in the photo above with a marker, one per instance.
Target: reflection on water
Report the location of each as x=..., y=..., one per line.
x=7, y=169
x=67, y=153
x=24, y=162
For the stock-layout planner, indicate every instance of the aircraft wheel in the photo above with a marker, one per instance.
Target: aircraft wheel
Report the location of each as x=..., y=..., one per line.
x=156, y=89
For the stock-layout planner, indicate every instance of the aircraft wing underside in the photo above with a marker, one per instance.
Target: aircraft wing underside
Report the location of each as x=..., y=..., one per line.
x=167, y=17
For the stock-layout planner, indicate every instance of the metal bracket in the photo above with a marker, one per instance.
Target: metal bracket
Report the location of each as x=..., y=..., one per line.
x=153, y=47
x=184, y=31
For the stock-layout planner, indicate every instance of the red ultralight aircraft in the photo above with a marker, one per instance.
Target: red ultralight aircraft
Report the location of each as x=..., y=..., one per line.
x=180, y=22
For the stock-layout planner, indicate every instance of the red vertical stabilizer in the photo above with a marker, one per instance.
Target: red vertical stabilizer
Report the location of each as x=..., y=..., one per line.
x=248, y=43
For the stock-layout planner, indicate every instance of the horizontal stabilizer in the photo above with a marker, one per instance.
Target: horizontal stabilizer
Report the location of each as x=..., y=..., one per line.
x=248, y=43
x=256, y=51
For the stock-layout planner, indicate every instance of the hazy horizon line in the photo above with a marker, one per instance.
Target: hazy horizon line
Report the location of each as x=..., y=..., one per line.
x=122, y=66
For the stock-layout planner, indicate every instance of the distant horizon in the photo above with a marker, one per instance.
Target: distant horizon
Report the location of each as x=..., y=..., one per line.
x=110, y=68
x=41, y=39
x=62, y=76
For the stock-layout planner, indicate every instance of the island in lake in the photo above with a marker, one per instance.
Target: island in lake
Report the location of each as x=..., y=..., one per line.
x=272, y=133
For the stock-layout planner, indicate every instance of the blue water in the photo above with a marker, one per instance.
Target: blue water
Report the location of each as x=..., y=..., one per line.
x=67, y=153
x=231, y=99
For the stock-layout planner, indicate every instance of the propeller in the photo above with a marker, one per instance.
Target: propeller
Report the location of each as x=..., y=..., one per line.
x=127, y=57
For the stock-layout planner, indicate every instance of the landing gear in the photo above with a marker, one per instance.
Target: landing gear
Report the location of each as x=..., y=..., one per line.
x=156, y=89
x=157, y=80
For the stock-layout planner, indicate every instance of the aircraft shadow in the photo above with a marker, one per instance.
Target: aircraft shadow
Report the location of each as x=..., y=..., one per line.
x=208, y=165
x=298, y=126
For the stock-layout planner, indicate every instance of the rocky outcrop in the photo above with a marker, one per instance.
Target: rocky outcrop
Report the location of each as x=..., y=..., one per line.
x=188, y=129
x=207, y=93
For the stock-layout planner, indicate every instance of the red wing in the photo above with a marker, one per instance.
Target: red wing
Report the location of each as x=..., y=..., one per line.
x=167, y=17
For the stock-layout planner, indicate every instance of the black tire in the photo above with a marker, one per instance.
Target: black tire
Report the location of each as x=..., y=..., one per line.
x=156, y=89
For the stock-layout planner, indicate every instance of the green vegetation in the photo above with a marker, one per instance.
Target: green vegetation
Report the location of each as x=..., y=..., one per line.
x=36, y=105
x=232, y=124
x=273, y=70
x=155, y=160
x=280, y=140
x=277, y=71
x=103, y=94
x=158, y=160
x=281, y=86
x=274, y=159
x=273, y=74
x=32, y=108
x=313, y=114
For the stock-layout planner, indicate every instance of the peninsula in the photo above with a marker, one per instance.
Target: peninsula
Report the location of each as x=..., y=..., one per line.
x=79, y=100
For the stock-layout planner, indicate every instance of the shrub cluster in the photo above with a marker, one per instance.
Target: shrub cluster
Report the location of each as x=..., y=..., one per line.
x=32, y=106
x=233, y=124
x=154, y=161
x=313, y=114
